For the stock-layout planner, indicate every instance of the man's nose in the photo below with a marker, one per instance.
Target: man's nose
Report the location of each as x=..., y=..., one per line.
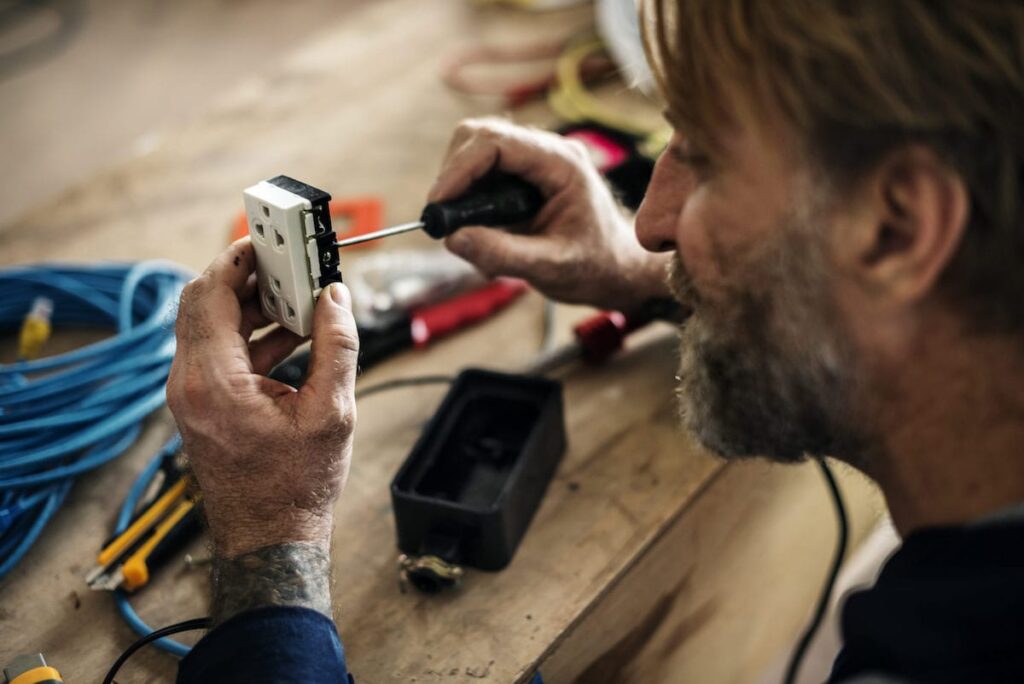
x=658, y=214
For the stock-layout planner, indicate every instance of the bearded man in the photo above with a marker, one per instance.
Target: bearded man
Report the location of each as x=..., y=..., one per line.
x=839, y=208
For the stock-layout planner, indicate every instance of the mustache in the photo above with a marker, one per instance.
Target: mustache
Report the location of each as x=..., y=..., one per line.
x=681, y=283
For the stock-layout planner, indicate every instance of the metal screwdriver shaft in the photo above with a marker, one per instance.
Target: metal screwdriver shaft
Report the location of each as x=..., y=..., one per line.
x=496, y=200
x=387, y=232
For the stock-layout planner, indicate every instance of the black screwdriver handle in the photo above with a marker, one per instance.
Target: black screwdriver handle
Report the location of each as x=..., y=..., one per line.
x=497, y=199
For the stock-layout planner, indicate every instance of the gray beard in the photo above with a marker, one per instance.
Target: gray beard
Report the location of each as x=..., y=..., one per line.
x=764, y=370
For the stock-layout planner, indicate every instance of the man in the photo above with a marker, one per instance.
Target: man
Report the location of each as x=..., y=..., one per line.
x=840, y=207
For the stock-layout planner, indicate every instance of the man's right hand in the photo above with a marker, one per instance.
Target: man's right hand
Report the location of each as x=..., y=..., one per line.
x=580, y=248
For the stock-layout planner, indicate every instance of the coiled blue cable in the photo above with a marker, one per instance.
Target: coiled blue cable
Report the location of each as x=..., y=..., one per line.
x=64, y=415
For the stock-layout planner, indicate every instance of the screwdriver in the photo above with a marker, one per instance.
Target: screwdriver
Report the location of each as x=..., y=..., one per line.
x=497, y=199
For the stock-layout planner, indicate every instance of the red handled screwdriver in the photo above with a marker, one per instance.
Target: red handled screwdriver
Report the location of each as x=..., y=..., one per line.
x=601, y=335
x=497, y=199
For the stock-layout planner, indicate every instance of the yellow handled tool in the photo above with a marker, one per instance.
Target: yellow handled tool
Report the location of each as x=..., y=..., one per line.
x=127, y=561
x=136, y=569
x=31, y=669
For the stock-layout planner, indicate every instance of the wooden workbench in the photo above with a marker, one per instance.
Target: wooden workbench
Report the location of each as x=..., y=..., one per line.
x=649, y=561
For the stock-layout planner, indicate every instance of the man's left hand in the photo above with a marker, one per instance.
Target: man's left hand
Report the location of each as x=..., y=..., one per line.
x=270, y=460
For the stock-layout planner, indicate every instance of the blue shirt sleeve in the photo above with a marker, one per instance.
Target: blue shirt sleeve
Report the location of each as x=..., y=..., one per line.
x=273, y=644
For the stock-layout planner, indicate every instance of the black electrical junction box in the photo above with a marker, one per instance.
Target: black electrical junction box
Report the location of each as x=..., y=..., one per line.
x=470, y=487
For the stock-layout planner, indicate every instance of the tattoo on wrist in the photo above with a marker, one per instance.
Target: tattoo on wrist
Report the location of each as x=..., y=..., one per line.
x=293, y=574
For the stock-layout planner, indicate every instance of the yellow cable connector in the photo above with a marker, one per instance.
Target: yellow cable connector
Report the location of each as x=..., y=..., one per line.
x=36, y=329
x=31, y=669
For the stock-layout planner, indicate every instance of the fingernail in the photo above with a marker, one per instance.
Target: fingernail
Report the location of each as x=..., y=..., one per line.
x=339, y=294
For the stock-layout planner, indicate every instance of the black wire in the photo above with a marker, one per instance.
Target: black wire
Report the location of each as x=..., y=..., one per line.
x=186, y=626
x=404, y=382
x=826, y=592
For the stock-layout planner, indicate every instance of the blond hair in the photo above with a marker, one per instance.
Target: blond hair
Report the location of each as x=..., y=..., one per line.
x=858, y=78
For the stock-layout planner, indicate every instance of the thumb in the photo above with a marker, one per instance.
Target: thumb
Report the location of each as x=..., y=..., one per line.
x=335, y=351
x=497, y=253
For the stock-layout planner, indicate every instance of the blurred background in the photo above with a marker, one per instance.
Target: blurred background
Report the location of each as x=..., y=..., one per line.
x=88, y=83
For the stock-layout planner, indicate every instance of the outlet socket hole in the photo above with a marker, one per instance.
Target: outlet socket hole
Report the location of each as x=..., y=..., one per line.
x=289, y=312
x=266, y=210
x=258, y=227
x=278, y=239
x=276, y=284
x=271, y=301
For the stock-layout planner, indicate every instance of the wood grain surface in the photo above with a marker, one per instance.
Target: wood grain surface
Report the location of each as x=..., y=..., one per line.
x=648, y=559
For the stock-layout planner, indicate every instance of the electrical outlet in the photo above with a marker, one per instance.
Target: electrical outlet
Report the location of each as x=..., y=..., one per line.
x=290, y=227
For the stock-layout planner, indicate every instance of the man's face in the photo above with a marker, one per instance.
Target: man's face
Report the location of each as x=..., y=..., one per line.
x=764, y=367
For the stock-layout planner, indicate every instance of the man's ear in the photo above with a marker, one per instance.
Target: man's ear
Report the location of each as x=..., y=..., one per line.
x=916, y=213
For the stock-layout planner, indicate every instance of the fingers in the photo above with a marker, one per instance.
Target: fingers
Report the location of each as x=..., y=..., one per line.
x=335, y=351
x=212, y=302
x=272, y=349
x=497, y=253
x=253, y=318
x=210, y=317
x=480, y=145
x=234, y=266
x=466, y=162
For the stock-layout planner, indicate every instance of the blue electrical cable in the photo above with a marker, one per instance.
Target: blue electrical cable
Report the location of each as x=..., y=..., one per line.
x=64, y=415
x=124, y=518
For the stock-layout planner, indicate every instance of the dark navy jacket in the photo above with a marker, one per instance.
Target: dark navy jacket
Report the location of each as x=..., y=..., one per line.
x=275, y=644
x=947, y=607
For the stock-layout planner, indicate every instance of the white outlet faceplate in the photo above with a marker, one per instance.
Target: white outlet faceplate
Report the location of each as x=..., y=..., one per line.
x=282, y=231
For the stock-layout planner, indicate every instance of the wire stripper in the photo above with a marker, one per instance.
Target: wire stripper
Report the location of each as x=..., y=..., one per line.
x=128, y=560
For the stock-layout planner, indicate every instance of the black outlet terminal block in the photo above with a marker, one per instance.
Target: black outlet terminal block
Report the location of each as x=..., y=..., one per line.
x=469, y=488
x=329, y=259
